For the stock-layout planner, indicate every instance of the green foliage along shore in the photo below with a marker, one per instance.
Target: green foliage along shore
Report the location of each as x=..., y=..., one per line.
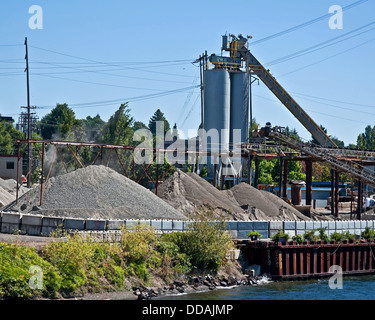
x=79, y=266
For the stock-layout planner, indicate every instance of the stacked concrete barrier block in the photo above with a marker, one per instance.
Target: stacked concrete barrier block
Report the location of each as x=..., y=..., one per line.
x=131, y=224
x=262, y=228
x=300, y=227
x=357, y=227
x=345, y=226
x=51, y=225
x=309, y=225
x=145, y=223
x=96, y=235
x=243, y=228
x=74, y=224
x=339, y=226
x=317, y=224
x=363, y=224
x=156, y=224
x=274, y=227
x=290, y=228
x=232, y=227
x=31, y=224
x=96, y=224
x=188, y=224
x=167, y=225
x=177, y=225
x=331, y=228
x=10, y=222
x=115, y=224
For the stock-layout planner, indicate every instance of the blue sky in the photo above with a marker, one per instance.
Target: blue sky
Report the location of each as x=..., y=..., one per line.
x=94, y=55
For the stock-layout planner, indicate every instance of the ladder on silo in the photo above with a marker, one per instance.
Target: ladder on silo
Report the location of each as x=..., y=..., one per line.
x=324, y=155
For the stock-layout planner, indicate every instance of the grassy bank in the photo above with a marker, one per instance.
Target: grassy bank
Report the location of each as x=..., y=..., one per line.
x=79, y=266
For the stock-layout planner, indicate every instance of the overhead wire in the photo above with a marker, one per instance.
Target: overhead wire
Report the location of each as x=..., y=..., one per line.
x=321, y=45
x=305, y=24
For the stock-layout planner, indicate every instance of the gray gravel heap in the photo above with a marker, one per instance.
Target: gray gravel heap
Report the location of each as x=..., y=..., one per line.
x=96, y=192
x=188, y=192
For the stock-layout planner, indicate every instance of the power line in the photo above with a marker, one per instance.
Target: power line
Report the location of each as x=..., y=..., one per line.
x=108, y=64
x=129, y=99
x=321, y=45
x=325, y=59
x=307, y=23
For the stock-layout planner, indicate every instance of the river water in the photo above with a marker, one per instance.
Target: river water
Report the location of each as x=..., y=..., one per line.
x=353, y=288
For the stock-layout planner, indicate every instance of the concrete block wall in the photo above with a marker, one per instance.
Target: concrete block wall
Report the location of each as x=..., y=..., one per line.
x=103, y=230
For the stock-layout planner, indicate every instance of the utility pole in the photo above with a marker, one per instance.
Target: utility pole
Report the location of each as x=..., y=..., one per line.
x=29, y=133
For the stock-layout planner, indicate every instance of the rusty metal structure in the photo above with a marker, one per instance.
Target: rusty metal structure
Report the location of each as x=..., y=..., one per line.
x=75, y=150
x=292, y=261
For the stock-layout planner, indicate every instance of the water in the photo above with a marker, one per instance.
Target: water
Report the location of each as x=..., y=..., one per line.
x=354, y=288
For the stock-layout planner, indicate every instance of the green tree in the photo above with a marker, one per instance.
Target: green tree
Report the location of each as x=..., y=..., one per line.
x=118, y=129
x=59, y=123
x=93, y=127
x=158, y=116
x=292, y=133
x=366, y=140
x=8, y=135
x=254, y=125
x=139, y=125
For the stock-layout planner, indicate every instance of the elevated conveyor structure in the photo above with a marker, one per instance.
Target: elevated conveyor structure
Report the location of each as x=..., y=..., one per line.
x=257, y=68
x=330, y=158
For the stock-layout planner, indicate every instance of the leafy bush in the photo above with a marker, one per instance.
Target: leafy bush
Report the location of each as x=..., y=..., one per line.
x=298, y=238
x=138, y=248
x=368, y=234
x=280, y=234
x=71, y=258
x=322, y=234
x=310, y=235
x=15, y=263
x=205, y=243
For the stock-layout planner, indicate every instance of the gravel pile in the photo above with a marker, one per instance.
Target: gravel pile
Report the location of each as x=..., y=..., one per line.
x=188, y=192
x=8, y=189
x=95, y=192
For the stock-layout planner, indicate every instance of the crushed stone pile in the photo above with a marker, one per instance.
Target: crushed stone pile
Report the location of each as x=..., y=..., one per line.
x=8, y=189
x=96, y=192
x=188, y=192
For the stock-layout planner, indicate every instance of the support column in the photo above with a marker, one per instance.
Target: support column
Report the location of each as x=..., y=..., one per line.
x=281, y=176
x=360, y=200
x=337, y=196
x=332, y=192
x=308, y=164
x=256, y=172
x=285, y=178
x=42, y=175
x=249, y=163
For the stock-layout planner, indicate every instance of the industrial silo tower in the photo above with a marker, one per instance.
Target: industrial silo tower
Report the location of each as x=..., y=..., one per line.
x=225, y=109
